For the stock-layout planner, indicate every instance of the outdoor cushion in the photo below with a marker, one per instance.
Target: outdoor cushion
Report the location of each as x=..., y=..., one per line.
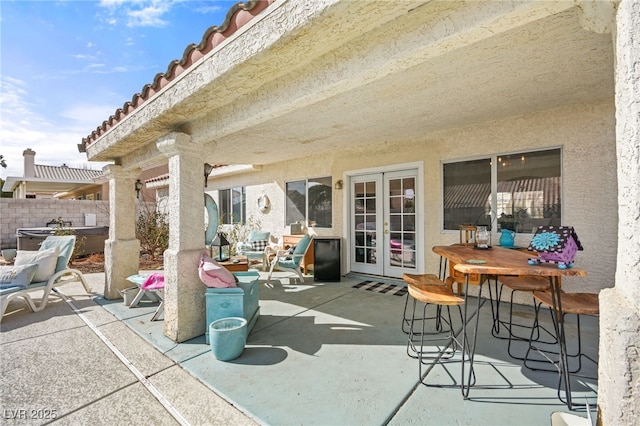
x=18, y=276
x=154, y=281
x=213, y=275
x=301, y=248
x=65, y=244
x=259, y=245
x=45, y=259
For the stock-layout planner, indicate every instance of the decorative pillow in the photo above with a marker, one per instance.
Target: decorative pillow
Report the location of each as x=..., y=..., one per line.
x=259, y=245
x=45, y=259
x=213, y=275
x=154, y=281
x=17, y=275
x=290, y=250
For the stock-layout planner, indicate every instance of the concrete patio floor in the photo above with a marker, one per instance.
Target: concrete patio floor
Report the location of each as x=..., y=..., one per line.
x=320, y=354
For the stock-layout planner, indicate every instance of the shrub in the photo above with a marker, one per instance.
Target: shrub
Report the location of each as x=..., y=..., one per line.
x=60, y=229
x=152, y=229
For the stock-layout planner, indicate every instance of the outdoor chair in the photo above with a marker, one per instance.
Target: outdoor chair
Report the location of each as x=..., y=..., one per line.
x=577, y=304
x=432, y=337
x=290, y=261
x=257, y=248
x=425, y=281
x=40, y=270
x=526, y=284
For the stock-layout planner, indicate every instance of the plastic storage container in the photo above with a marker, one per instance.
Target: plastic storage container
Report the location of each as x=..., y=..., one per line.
x=228, y=337
x=241, y=301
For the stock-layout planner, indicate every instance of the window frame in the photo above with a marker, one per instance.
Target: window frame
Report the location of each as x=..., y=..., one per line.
x=230, y=208
x=493, y=159
x=305, y=218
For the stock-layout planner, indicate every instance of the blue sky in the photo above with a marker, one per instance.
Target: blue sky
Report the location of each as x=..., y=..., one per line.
x=66, y=66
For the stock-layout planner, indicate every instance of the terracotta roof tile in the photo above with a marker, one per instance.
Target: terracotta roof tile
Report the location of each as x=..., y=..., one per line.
x=237, y=16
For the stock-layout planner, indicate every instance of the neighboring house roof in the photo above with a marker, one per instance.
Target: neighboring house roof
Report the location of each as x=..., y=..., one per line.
x=236, y=17
x=65, y=173
x=162, y=180
x=53, y=179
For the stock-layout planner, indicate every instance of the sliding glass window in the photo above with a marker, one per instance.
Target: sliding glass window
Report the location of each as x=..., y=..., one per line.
x=524, y=187
x=232, y=203
x=310, y=201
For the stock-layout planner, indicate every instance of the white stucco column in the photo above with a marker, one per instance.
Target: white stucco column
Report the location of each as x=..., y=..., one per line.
x=122, y=249
x=619, y=367
x=184, y=306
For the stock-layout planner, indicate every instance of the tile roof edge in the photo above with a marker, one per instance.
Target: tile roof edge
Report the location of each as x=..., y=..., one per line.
x=233, y=21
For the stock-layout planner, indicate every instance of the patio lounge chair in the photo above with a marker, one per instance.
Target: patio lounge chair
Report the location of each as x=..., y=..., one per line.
x=285, y=260
x=61, y=275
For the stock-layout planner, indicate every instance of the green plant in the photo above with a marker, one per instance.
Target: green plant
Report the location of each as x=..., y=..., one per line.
x=240, y=232
x=152, y=229
x=60, y=230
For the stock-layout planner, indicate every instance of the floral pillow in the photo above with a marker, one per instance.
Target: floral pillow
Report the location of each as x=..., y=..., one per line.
x=17, y=275
x=45, y=259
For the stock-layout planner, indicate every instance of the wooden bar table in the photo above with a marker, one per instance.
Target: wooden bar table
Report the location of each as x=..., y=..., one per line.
x=501, y=261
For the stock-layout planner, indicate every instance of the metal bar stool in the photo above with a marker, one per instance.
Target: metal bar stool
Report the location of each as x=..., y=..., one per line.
x=422, y=280
x=424, y=289
x=565, y=303
x=527, y=284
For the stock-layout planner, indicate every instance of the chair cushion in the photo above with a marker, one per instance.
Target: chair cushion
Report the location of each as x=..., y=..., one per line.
x=19, y=276
x=301, y=248
x=259, y=235
x=65, y=245
x=259, y=245
x=46, y=260
x=213, y=275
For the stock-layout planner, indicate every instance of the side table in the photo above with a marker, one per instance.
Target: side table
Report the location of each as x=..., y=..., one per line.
x=236, y=264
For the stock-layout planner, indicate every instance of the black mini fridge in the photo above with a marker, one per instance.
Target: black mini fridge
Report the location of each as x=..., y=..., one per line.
x=326, y=258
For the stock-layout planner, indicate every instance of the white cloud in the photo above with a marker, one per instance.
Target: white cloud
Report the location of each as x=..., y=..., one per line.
x=150, y=16
x=54, y=143
x=208, y=9
x=137, y=13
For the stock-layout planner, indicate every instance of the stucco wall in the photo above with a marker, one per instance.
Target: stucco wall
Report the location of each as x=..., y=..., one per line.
x=586, y=134
x=27, y=213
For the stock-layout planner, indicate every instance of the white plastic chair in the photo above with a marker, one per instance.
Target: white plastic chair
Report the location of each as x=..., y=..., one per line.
x=291, y=261
x=62, y=275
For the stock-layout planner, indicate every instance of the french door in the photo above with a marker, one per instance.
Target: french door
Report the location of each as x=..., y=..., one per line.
x=383, y=223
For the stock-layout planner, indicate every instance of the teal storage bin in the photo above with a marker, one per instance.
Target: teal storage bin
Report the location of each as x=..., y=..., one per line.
x=241, y=301
x=228, y=337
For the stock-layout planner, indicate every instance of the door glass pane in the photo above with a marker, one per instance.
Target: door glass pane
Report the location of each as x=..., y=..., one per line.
x=365, y=222
x=402, y=222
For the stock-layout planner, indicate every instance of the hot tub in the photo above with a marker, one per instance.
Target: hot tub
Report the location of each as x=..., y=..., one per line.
x=93, y=238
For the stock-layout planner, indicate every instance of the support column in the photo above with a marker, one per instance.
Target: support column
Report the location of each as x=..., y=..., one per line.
x=122, y=249
x=184, y=306
x=619, y=367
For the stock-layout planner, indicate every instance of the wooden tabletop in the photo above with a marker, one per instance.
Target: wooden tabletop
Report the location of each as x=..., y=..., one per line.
x=499, y=261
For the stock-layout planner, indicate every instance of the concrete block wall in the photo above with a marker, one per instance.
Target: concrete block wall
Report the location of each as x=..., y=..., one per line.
x=34, y=212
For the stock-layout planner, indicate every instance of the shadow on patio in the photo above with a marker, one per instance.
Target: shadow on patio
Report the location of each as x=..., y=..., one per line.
x=328, y=353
